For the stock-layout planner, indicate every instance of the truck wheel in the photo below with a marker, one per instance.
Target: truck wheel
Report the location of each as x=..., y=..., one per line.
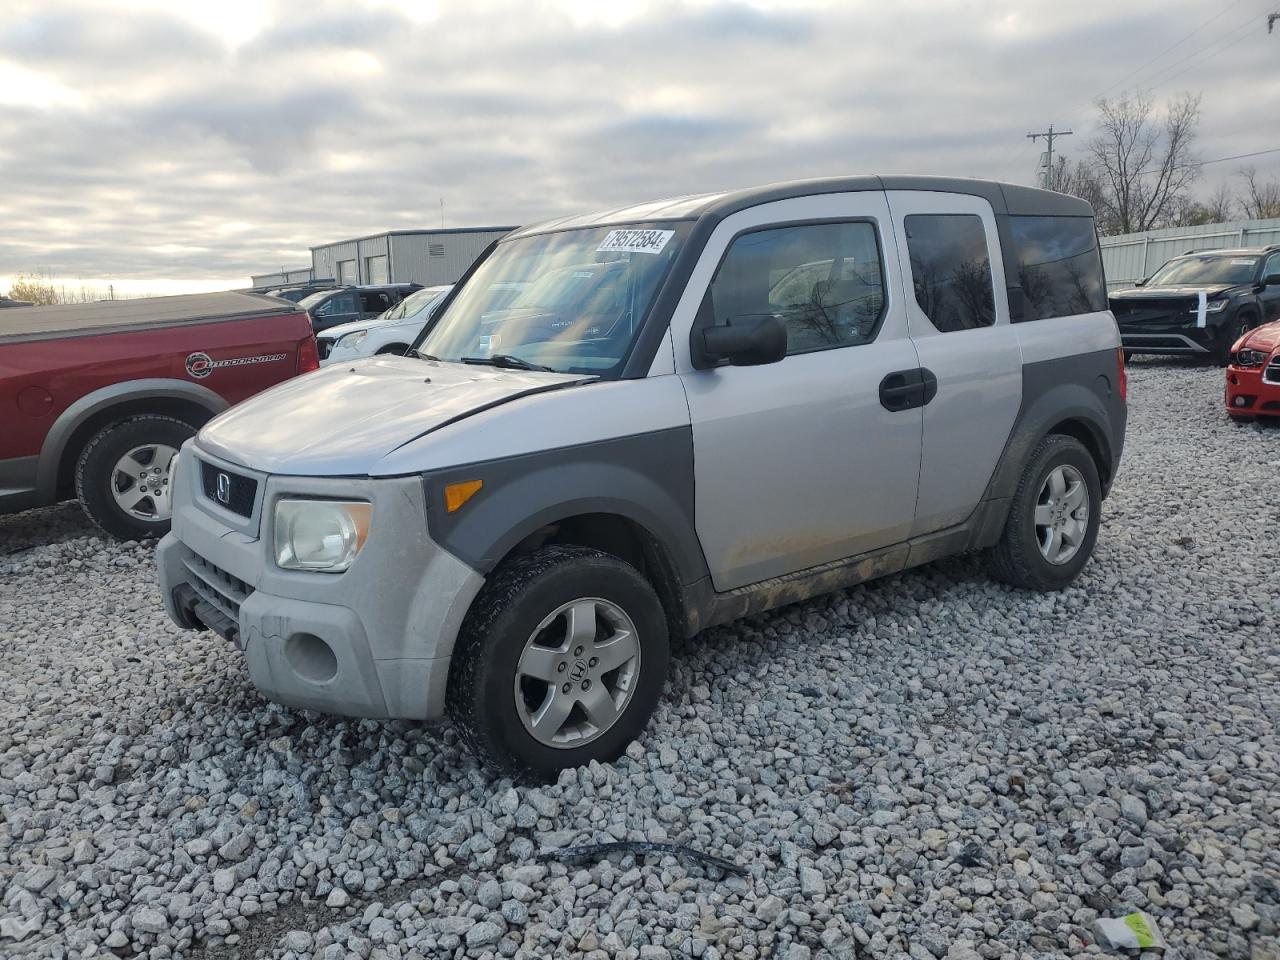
x=1053, y=519
x=122, y=476
x=560, y=661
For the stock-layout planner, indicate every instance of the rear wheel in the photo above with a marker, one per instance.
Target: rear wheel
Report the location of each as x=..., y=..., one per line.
x=1053, y=520
x=122, y=476
x=561, y=661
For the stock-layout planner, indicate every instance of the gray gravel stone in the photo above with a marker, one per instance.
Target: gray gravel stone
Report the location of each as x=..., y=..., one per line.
x=928, y=763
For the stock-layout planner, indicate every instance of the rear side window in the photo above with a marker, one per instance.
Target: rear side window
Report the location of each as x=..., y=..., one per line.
x=824, y=280
x=375, y=301
x=1059, y=266
x=951, y=270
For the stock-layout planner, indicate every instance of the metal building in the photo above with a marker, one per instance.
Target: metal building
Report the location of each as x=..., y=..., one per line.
x=427, y=257
x=1133, y=256
x=282, y=278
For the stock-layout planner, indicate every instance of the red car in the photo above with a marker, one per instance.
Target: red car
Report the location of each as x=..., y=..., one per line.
x=1253, y=377
x=96, y=398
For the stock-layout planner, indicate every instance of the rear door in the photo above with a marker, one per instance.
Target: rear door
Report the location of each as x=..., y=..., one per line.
x=958, y=315
x=798, y=463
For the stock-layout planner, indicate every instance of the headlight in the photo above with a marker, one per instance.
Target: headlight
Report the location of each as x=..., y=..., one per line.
x=1213, y=306
x=351, y=339
x=1250, y=358
x=322, y=535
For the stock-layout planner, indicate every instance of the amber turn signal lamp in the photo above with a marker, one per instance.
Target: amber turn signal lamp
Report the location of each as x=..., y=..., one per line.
x=457, y=494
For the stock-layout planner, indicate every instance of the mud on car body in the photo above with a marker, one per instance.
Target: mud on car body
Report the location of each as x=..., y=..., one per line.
x=1200, y=304
x=717, y=405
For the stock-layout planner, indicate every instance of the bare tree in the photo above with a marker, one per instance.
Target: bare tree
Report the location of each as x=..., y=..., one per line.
x=1143, y=162
x=1217, y=207
x=1261, y=201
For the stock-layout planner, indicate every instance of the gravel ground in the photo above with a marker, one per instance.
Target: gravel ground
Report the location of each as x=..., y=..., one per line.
x=927, y=766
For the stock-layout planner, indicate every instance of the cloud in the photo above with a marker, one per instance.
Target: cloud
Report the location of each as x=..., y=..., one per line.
x=162, y=142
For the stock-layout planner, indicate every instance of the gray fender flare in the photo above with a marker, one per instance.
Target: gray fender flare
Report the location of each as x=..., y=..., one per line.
x=1060, y=403
x=55, y=442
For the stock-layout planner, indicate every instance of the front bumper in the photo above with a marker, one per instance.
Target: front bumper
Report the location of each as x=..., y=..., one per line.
x=374, y=641
x=1254, y=391
x=1185, y=339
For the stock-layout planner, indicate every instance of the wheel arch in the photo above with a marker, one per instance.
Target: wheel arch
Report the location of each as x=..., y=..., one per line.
x=80, y=422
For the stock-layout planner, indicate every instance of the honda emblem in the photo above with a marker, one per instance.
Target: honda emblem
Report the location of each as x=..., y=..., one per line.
x=224, y=488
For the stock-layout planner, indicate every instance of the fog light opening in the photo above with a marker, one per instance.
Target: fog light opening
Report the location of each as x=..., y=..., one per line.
x=311, y=658
x=1240, y=401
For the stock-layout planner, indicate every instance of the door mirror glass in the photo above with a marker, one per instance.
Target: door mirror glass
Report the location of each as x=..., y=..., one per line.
x=1271, y=280
x=746, y=341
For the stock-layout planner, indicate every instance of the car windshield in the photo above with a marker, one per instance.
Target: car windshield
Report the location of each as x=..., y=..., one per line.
x=1204, y=271
x=414, y=303
x=571, y=301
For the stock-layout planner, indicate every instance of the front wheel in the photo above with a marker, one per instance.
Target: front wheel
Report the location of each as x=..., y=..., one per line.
x=560, y=661
x=1227, y=337
x=122, y=476
x=1053, y=519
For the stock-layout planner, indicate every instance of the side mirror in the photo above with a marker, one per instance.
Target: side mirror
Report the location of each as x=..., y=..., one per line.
x=747, y=341
x=1271, y=280
x=1140, y=283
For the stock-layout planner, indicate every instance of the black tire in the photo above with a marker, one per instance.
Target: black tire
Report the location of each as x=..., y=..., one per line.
x=1228, y=335
x=395, y=349
x=96, y=466
x=508, y=610
x=1017, y=559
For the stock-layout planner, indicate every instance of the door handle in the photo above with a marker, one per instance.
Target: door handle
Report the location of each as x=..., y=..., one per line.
x=902, y=390
x=930, y=384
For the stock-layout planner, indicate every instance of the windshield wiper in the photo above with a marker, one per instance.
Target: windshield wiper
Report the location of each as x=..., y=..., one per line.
x=506, y=361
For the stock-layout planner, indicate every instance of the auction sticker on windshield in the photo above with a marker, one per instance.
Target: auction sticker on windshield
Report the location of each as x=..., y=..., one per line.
x=635, y=241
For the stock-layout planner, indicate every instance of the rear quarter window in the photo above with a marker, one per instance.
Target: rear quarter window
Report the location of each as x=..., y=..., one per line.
x=1059, y=266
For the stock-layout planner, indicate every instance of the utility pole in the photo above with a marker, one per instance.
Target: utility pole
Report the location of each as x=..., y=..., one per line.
x=1049, y=136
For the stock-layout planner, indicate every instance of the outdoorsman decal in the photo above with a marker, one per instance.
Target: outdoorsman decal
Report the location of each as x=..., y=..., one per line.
x=200, y=365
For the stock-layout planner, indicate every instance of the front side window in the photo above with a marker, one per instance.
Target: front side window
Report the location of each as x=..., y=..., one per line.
x=336, y=305
x=375, y=302
x=1272, y=267
x=1059, y=266
x=951, y=270
x=1205, y=271
x=825, y=281
x=572, y=301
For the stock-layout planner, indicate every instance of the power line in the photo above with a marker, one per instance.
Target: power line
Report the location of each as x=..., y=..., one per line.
x=1206, y=53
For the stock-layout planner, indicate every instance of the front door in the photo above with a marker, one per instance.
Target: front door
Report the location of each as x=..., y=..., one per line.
x=798, y=463
x=1269, y=297
x=958, y=313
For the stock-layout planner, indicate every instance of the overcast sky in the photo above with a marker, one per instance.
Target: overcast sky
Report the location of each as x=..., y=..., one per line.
x=171, y=145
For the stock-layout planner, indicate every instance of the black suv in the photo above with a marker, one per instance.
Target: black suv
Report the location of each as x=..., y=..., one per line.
x=1200, y=303
x=329, y=308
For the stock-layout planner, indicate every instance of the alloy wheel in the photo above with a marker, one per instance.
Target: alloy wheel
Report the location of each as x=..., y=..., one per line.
x=1062, y=514
x=140, y=482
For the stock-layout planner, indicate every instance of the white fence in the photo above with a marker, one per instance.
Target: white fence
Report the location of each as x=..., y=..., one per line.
x=1133, y=256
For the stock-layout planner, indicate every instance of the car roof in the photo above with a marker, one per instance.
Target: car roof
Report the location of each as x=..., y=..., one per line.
x=1231, y=252
x=1005, y=198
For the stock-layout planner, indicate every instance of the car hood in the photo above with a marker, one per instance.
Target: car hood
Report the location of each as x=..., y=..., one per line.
x=342, y=329
x=1265, y=337
x=1166, y=293
x=342, y=419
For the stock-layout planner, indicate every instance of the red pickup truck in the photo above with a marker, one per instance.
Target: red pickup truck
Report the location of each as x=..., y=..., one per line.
x=96, y=398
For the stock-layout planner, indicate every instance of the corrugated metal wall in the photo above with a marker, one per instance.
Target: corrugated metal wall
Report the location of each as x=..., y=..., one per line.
x=429, y=257
x=1133, y=256
x=436, y=257
x=325, y=259
x=277, y=279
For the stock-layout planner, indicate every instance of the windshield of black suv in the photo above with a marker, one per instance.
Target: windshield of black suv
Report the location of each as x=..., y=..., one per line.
x=1207, y=271
x=571, y=301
